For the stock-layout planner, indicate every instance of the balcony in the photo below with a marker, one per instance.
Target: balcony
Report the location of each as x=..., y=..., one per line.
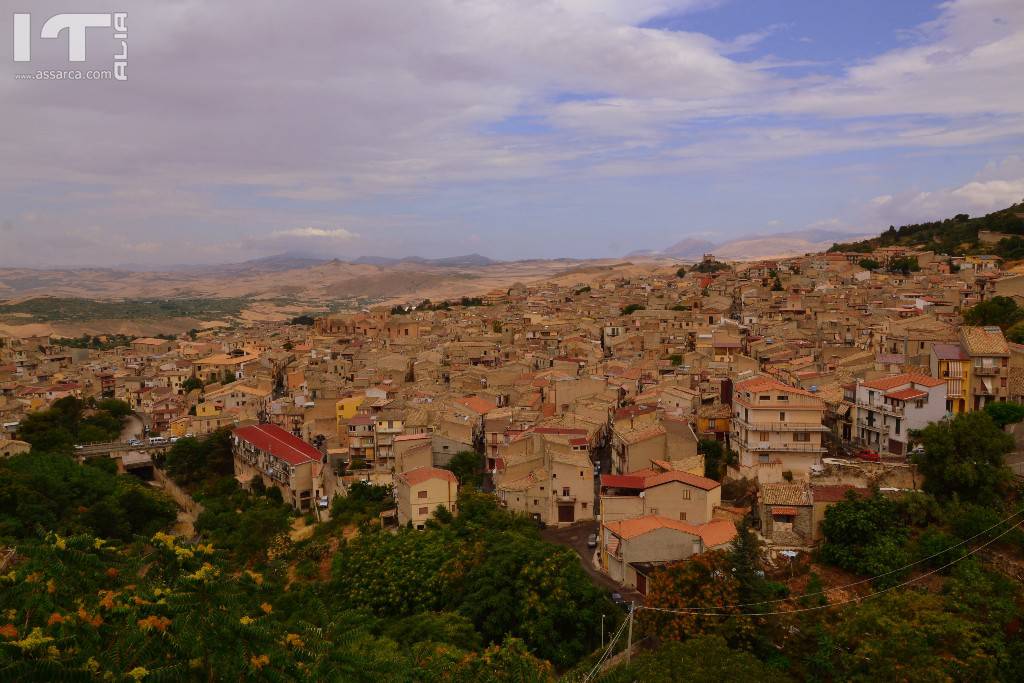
x=564, y=499
x=982, y=371
x=786, y=447
x=781, y=426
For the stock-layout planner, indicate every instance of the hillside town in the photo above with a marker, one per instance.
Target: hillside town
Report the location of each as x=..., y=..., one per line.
x=654, y=412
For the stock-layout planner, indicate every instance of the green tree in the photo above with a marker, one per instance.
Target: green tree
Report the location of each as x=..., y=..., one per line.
x=903, y=264
x=717, y=458
x=632, y=308
x=1005, y=412
x=703, y=658
x=965, y=457
x=777, y=285
x=865, y=535
x=1001, y=311
x=869, y=264
x=681, y=272
x=467, y=466
x=191, y=384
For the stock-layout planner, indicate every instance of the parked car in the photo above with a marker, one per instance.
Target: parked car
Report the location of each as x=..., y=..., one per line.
x=618, y=599
x=592, y=541
x=323, y=503
x=869, y=455
x=157, y=440
x=134, y=442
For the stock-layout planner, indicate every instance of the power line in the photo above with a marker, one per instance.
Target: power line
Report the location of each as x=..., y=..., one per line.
x=870, y=579
x=611, y=646
x=697, y=612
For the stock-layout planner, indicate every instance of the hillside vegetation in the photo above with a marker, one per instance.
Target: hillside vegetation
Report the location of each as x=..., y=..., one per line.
x=956, y=236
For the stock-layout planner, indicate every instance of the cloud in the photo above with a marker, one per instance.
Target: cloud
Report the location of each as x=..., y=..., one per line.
x=339, y=234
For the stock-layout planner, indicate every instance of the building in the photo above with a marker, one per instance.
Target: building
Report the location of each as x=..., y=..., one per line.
x=890, y=407
x=661, y=491
x=421, y=491
x=952, y=364
x=989, y=369
x=279, y=459
x=630, y=548
x=776, y=428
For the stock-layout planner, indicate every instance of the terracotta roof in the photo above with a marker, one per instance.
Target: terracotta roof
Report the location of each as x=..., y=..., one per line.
x=906, y=394
x=412, y=437
x=785, y=494
x=886, y=383
x=981, y=341
x=422, y=474
x=476, y=404
x=279, y=443
x=784, y=510
x=835, y=493
x=766, y=383
x=713, y=533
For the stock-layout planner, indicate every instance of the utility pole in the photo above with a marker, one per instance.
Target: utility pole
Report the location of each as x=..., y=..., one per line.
x=602, y=631
x=629, y=639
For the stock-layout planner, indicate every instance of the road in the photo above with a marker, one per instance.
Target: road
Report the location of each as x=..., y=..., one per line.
x=575, y=537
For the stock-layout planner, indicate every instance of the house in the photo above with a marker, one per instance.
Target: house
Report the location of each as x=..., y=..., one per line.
x=786, y=512
x=952, y=364
x=630, y=547
x=421, y=491
x=776, y=428
x=989, y=369
x=659, y=491
x=888, y=408
x=549, y=477
x=278, y=459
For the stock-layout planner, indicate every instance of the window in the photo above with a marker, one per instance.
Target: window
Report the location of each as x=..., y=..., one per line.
x=565, y=491
x=764, y=397
x=423, y=511
x=583, y=505
x=682, y=516
x=534, y=501
x=554, y=475
x=653, y=511
x=782, y=398
x=782, y=416
x=801, y=436
x=421, y=494
x=687, y=494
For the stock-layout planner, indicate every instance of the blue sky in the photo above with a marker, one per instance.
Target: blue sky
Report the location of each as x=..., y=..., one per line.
x=584, y=128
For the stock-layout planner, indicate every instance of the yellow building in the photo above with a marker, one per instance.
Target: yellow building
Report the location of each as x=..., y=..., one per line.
x=951, y=363
x=345, y=409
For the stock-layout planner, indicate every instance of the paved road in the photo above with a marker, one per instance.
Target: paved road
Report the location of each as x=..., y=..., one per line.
x=575, y=537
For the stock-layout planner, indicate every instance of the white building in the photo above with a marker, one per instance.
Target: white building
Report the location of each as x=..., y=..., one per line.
x=889, y=407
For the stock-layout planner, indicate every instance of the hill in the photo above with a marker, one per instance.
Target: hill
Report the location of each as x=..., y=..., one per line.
x=954, y=236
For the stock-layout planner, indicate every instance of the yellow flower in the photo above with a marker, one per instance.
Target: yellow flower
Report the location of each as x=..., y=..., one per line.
x=267, y=608
x=260, y=661
x=293, y=640
x=255, y=576
x=98, y=543
x=53, y=651
x=92, y=666
x=245, y=621
x=34, y=640
x=60, y=542
x=138, y=673
x=207, y=571
x=206, y=549
x=51, y=586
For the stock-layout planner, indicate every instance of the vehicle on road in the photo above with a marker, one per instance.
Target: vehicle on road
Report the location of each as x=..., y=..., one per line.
x=618, y=599
x=79, y=447
x=134, y=442
x=157, y=440
x=592, y=541
x=323, y=503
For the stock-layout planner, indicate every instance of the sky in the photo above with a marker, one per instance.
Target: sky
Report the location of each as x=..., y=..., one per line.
x=511, y=128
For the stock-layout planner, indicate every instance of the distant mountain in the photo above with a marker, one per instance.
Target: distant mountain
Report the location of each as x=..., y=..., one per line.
x=689, y=248
x=753, y=247
x=955, y=236
x=466, y=261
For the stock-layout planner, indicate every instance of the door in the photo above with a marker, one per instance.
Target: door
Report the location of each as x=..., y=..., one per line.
x=566, y=513
x=641, y=583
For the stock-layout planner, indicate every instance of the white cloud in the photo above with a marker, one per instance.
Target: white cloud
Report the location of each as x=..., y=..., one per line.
x=340, y=234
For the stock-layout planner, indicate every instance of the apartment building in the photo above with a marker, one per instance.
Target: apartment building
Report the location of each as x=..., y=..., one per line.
x=989, y=371
x=951, y=363
x=888, y=408
x=659, y=491
x=279, y=459
x=776, y=428
x=421, y=491
x=547, y=476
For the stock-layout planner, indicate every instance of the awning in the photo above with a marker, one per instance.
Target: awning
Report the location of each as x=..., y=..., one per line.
x=785, y=511
x=842, y=409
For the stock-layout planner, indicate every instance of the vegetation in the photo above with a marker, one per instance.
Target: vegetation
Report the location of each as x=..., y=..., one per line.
x=363, y=503
x=630, y=309
x=717, y=458
x=468, y=468
x=103, y=342
x=306, y=320
x=1001, y=311
x=681, y=272
x=869, y=264
x=711, y=266
x=70, y=421
x=51, y=309
x=965, y=458
x=954, y=236
x=1005, y=413
x=865, y=535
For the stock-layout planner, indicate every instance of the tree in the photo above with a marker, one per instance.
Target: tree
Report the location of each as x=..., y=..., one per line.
x=903, y=264
x=965, y=457
x=869, y=264
x=632, y=308
x=1005, y=413
x=467, y=466
x=1016, y=333
x=191, y=384
x=1001, y=311
x=865, y=535
x=777, y=285
x=703, y=658
x=717, y=458
x=681, y=272
x=306, y=320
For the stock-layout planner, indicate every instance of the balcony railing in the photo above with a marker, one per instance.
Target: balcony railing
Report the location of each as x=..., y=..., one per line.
x=782, y=426
x=786, y=448
x=988, y=371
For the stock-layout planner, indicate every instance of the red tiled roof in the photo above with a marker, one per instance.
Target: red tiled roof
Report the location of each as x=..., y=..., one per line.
x=906, y=394
x=279, y=443
x=422, y=474
x=886, y=383
x=622, y=481
x=835, y=493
